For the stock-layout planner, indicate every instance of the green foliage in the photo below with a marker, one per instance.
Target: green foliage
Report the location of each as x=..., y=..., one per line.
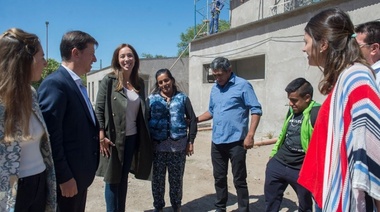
x=150, y=56
x=52, y=65
x=188, y=36
x=84, y=80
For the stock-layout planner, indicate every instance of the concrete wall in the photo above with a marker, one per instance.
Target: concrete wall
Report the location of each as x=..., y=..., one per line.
x=148, y=68
x=254, y=10
x=280, y=39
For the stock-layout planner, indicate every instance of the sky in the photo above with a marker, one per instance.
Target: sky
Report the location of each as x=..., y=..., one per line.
x=151, y=26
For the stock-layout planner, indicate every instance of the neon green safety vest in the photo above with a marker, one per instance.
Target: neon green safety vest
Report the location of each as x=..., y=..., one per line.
x=306, y=129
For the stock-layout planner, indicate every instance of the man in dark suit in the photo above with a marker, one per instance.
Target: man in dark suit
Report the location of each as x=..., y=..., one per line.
x=71, y=122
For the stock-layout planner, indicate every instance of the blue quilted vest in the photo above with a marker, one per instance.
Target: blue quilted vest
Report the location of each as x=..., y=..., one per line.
x=167, y=119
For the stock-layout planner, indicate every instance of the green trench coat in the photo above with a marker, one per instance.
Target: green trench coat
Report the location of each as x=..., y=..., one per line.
x=110, y=111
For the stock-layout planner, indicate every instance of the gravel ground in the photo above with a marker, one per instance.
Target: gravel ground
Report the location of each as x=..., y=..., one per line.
x=198, y=188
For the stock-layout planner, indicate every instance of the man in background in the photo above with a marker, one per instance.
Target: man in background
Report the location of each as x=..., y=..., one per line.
x=232, y=102
x=368, y=37
x=216, y=7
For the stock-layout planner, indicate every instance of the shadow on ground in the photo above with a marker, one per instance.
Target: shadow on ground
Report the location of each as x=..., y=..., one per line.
x=257, y=203
x=206, y=203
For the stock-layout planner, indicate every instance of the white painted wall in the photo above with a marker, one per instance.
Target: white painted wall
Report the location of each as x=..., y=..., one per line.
x=280, y=38
x=148, y=68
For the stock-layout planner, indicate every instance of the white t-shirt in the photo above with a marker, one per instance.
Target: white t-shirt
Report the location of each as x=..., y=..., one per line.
x=132, y=110
x=31, y=161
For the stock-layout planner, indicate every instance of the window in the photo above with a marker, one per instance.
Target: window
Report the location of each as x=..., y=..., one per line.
x=88, y=90
x=249, y=68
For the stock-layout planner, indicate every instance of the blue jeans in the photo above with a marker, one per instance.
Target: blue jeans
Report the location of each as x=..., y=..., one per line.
x=116, y=194
x=214, y=23
x=220, y=155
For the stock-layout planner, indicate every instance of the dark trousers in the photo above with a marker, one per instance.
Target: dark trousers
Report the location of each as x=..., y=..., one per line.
x=116, y=194
x=174, y=162
x=76, y=203
x=277, y=178
x=31, y=193
x=221, y=154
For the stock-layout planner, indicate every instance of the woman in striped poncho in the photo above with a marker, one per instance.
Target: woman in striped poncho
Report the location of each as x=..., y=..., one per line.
x=342, y=164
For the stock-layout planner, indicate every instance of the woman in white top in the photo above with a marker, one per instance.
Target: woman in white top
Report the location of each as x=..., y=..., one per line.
x=125, y=144
x=26, y=165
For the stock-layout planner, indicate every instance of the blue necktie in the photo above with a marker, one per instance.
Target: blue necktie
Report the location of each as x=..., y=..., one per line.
x=87, y=100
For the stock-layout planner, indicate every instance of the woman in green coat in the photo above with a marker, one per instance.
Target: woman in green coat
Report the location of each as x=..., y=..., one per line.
x=125, y=145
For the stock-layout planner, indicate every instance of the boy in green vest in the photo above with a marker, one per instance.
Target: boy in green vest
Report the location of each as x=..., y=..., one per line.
x=289, y=151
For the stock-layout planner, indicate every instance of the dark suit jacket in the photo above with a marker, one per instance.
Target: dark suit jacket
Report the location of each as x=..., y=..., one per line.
x=73, y=135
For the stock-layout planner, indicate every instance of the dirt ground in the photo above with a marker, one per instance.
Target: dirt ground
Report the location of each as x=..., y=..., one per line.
x=198, y=187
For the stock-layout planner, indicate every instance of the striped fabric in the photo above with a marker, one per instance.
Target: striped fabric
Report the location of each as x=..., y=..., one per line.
x=352, y=149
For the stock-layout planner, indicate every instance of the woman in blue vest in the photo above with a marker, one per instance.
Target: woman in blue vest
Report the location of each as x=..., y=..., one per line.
x=170, y=115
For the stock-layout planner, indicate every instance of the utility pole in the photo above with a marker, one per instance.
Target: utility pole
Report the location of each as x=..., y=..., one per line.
x=47, y=40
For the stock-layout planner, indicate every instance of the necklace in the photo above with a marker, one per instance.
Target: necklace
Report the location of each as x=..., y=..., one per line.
x=129, y=86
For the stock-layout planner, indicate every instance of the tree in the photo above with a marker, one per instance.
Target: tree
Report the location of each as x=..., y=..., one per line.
x=150, y=56
x=52, y=65
x=189, y=35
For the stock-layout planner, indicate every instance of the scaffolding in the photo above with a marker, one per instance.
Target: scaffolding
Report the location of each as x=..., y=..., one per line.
x=201, y=11
x=201, y=15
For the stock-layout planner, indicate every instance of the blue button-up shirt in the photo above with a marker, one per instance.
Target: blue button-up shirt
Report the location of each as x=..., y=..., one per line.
x=231, y=106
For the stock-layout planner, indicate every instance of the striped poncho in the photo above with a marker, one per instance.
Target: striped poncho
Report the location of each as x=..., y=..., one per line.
x=341, y=167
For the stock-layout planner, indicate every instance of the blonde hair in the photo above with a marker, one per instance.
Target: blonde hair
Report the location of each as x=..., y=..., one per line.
x=17, y=49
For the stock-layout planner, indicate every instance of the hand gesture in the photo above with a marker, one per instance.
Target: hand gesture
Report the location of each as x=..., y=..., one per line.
x=105, y=147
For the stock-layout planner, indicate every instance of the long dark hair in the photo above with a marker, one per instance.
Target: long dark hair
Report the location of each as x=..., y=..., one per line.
x=334, y=27
x=134, y=78
x=166, y=71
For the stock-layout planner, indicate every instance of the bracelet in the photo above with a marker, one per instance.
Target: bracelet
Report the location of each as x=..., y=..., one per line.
x=102, y=140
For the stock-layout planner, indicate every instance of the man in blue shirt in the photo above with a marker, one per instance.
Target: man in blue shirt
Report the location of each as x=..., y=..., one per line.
x=216, y=7
x=232, y=101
